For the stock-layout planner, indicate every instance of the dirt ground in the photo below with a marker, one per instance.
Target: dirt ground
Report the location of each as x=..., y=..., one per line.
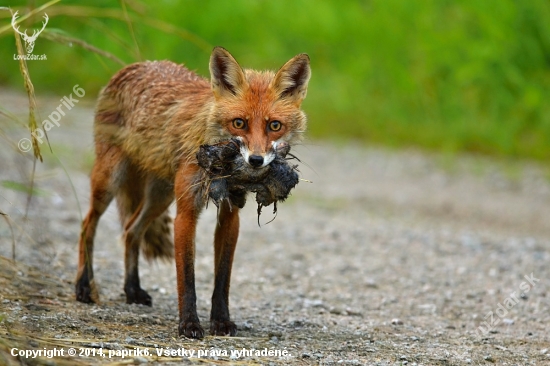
x=387, y=258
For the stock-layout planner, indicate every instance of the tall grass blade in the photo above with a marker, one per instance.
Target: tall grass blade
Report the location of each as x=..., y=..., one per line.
x=28, y=15
x=55, y=36
x=131, y=28
x=29, y=88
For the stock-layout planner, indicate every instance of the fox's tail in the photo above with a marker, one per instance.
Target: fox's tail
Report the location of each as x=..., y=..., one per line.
x=158, y=242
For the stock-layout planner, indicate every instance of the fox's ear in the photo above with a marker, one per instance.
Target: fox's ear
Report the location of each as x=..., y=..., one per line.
x=291, y=80
x=226, y=75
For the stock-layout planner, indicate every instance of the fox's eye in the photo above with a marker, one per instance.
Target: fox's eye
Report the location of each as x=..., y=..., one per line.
x=238, y=123
x=275, y=125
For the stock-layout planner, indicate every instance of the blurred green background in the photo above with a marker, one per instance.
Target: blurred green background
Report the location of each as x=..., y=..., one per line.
x=470, y=75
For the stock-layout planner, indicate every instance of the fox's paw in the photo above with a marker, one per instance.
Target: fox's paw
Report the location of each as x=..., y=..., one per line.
x=138, y=296
x=223, y=328
x=86, y=291
x=191, y=329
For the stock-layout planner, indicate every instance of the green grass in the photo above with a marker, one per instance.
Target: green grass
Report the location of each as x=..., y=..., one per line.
x=449, y=76
x=17, y=186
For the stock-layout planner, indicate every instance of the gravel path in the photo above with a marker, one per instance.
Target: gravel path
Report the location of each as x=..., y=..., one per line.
x=387, y=258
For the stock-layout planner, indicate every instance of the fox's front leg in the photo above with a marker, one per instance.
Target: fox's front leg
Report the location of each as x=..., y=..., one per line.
x=184, y=244
x=225, y=241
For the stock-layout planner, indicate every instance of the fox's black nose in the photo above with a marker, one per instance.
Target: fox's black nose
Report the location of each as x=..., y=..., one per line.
x=255, y=160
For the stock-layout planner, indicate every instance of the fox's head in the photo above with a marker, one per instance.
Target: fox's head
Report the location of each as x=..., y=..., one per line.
x=262, y=109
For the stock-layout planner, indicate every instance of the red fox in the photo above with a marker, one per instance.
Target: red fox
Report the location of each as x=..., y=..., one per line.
x=150, y=121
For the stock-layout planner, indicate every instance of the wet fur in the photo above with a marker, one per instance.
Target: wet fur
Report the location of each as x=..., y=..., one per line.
x=150, y=121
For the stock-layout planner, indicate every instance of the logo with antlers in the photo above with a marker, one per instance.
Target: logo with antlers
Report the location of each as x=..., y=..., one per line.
x=29, y=40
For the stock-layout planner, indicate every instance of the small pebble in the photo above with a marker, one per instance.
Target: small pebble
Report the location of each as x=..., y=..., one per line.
x=489, y=358
x=313, y=303
x=370, y=283
x=353, y=312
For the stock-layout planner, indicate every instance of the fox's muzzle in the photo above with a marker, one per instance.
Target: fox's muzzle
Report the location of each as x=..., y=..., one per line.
x=256, y=161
